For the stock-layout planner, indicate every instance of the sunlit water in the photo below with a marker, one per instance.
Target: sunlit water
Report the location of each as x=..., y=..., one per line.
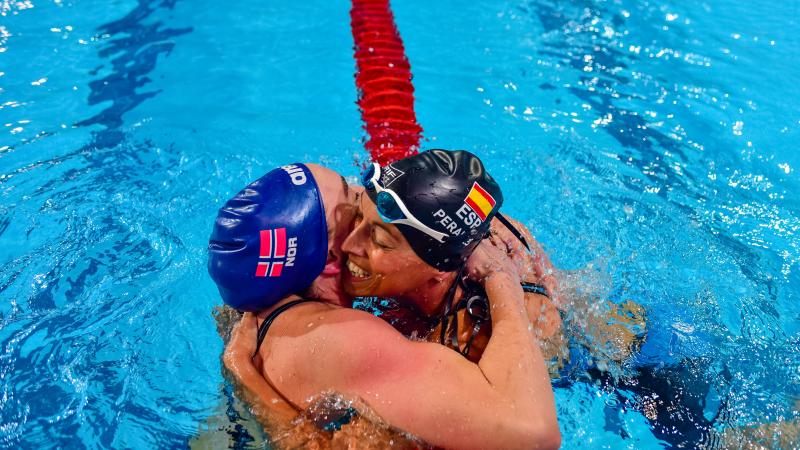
x=648, y=145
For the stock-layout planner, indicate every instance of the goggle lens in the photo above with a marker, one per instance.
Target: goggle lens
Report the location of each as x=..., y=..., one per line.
x=388, y=208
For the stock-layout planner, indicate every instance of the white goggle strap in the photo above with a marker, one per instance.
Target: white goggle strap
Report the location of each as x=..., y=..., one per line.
x=410, y=220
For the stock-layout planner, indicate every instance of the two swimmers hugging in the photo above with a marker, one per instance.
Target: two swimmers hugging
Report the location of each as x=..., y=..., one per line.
x=294, y=248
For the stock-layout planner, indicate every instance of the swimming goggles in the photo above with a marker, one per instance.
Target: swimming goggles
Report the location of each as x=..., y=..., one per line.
x=391, y=208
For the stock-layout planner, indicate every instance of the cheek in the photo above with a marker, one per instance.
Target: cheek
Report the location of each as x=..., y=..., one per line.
x=393, y=271
x=403, y=262
x=342, y=231
x=338, y=240
x=390, y=259
x=379, y=261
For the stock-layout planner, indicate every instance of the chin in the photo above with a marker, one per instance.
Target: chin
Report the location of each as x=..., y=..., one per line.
x=361, y=286
x=353, y=292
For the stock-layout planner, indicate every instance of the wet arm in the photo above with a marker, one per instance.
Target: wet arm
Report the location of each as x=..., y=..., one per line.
x=431, y=391
x=238, y=361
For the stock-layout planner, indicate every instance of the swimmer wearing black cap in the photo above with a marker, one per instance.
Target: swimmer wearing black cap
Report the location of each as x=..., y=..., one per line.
x=441, y=205
x=425, y=389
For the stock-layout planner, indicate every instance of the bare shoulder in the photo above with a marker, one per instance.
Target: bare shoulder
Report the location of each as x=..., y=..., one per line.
x=340, y=332
x=313, y=348
x=316, y=320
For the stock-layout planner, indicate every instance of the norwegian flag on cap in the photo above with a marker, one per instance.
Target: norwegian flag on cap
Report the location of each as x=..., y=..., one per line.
x=272, y=255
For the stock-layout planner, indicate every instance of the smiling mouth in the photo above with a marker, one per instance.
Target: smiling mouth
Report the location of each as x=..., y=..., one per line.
x=356, y=270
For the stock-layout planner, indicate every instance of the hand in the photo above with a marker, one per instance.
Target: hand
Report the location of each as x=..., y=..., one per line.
x=533, y=266
x=489, y=259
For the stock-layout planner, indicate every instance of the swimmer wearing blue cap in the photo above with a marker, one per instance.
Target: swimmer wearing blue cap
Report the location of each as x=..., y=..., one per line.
x=425, y=389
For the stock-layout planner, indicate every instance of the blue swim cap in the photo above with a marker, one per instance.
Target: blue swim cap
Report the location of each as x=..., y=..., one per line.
x=270, y=240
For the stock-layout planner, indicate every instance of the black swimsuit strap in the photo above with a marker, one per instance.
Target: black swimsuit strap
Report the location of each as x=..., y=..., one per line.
x=535, y=288
x=264, y=327
x=513, y=230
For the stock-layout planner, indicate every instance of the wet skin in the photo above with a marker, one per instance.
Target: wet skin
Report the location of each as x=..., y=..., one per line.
x=339, y=200
x=381, y=263
x=387, y=275
x=381, y=256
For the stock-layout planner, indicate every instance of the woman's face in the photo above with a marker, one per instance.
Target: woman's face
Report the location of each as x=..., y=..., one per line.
x=381, y=263
x=339, y=200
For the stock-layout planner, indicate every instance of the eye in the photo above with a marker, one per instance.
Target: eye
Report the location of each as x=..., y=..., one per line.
x=378, y=241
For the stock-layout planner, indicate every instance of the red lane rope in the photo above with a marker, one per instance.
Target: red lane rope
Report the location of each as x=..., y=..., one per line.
x=383, y=79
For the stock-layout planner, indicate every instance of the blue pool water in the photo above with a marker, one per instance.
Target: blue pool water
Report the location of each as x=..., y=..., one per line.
x=647, y=144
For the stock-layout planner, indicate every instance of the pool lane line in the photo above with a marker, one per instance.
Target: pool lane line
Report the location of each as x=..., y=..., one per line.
x=383, y=79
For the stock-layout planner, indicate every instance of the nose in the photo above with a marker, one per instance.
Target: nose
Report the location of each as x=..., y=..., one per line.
x=333, y=256
x=354, y=243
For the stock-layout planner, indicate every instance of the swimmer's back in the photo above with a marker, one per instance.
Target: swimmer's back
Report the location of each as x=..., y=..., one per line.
x=289, y=426
x=315, y=348
x=303, y=340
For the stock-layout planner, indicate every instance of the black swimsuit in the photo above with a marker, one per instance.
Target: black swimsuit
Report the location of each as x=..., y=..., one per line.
x=264, y=327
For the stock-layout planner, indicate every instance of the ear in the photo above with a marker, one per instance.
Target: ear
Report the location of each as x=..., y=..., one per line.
x=439, y=277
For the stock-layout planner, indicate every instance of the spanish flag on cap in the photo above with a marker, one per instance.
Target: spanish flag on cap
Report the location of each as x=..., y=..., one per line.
x=480, y=201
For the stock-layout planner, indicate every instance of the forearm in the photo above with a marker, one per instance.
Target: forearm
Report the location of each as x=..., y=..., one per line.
x=248, y=379
x=543, y=315
x=512, y=361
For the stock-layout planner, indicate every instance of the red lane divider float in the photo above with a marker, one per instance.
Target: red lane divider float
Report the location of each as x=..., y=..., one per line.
x=383, y=78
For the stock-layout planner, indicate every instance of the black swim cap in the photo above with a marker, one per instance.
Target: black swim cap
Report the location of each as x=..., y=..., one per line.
x=450, y=197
